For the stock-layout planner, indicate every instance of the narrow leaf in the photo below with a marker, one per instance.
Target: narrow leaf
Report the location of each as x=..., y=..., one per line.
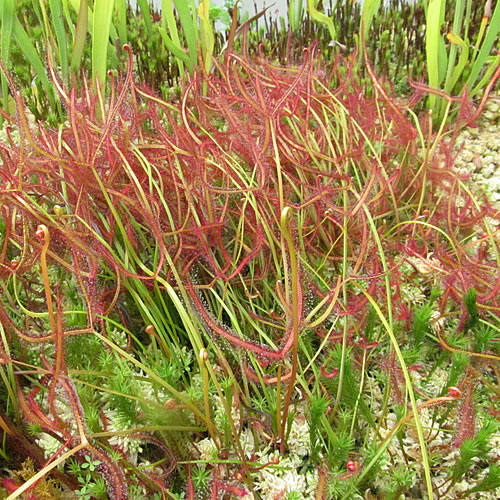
x=7, y=17
x=369, y=9
x=320, y=17
x=80, y=34
x=484, y=52
x=121, y=20
x=435, y=11
x=172, y=41
x=146, y=14
x=103, y=12
x=57, y=19
x=207, y=39
x=189, y=27
x=31, y=55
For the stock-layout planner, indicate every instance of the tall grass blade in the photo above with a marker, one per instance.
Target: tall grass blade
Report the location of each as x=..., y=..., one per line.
x=295, y=14
x=28, y=49
x=484, y=52
x=103, y=12
x=320, y=17
x=121, y=20
x=67, y=15
x=434, y=46
x=189, y=27
x=7, y=17
x=206, y=33
x=146, y=14
x=369, y=9
x=453, y=74
x=80, y=34
x=456, y=30
x=57, y=19
x=172, y=40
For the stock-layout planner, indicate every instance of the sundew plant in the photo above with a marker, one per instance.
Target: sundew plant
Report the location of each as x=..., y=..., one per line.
x=276, y=286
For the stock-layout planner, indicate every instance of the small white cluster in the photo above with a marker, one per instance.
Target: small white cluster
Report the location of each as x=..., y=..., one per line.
x=48, y=443
x=208, y=450
x=150, y=390
x=132, y=447
x=428, y=266
x=433, y=386
x=283, y=478
x=299, y=439
x=412, y=294
x=220, y=412
x=119, y=337
x=438, y=321
x=247, y=441
x=377, y=396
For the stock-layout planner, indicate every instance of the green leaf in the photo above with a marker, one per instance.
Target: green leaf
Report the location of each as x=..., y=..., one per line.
x=146, y=14
x=29, y=52
x=207, y=40
x=121, y=20
x=180, y=55
x=462, y=61
x=80, y=34
x=103, y=12
x=320, y=17
x=57, y=19
x=369, y=9
x=172, y=40
x=7, y=17
x=434, y=44
x=189, y=27
x=485, y=50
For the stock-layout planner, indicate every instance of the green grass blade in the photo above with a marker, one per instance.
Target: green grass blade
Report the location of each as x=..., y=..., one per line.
x=31, y=55
x=69, y=21
x=80, y=34
x=291, y=15
x=434, y=45
x=320, y=17
x=489, y=40
x=121, y=20
x=172, y=41
x=146, y=14
x=493, y=65
x=189, y=27
x=103, y=12
x=180, y=55
x=455, y=37
x=369, y=9
x=462, y=61
x=57, y=19
x=207, y=39
x=7, y=17
x=41, y=14
x=7, y=373
x=76, y=6
x=295, y=14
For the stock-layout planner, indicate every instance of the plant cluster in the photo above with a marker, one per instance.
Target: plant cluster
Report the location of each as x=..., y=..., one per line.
x=190, y=288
